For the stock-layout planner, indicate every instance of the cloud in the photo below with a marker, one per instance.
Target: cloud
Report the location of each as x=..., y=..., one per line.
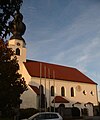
x=66, y=36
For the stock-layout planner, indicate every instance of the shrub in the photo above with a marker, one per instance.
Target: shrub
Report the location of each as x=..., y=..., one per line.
x=25, y=113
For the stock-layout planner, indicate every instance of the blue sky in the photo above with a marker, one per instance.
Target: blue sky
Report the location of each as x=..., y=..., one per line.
x=65, y=32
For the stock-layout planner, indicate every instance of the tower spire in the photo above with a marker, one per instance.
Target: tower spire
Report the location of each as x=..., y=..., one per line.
x=17, y=27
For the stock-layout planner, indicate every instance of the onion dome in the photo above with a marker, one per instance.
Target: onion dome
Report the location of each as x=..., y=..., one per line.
x=17, y=27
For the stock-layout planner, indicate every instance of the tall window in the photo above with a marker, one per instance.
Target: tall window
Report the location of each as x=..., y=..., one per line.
x=52, y=90
x=42, y=97
x=41, y=89
x=72, y=92
x=17, y=51
x=62, y=91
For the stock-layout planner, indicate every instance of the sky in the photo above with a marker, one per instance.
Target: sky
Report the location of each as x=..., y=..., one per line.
x=64, y=32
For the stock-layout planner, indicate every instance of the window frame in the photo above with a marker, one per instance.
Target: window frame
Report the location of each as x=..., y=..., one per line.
x=52, y=90
x=18, y=51
x=62, y=91
x=72, y=92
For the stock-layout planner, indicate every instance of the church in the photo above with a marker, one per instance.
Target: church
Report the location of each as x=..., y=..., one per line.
x=51, y=85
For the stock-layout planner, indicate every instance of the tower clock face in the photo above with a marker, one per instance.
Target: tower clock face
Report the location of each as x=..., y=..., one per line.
x=18, y=44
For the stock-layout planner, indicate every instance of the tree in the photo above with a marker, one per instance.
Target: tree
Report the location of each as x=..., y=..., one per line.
x=12, y=85
x=8, y=8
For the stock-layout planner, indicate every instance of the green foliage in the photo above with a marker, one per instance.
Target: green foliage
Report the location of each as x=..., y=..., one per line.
x=12, y=85
x=8, y=8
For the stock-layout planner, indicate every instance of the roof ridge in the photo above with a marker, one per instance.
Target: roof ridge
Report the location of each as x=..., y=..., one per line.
x=49, y=63
x=61, y=72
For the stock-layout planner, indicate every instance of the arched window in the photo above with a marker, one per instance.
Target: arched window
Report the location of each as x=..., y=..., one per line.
x=52, y=90
x=92, y=93
x=42, y=97
x=41, y=89
x=72, y=92
x=17, y=51
x=62, y=91
x=84, y=92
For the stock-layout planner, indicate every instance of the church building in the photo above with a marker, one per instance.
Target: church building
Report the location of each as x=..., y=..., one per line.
x=51, y=85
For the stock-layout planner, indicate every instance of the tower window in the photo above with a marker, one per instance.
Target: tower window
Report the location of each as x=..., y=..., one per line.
x=17, y=51
x=72, y=92
x=62, y=91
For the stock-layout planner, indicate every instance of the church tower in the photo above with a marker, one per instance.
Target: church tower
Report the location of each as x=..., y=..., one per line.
x=16, y=42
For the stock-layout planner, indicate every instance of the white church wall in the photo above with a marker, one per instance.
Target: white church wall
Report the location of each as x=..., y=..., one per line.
x=25, y=74
x=14, y=44
x=79, y=95
x=29, y=99
x=90, y=109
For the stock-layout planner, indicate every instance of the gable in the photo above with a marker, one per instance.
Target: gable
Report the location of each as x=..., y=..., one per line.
x=35, y=89
x=59, y=99
x=61, y=72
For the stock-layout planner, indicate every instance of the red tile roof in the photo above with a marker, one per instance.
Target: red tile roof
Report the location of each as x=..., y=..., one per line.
x=77, y=103
x=89, y=103
x=59, y=99
x=61, y=72
x=35, y=89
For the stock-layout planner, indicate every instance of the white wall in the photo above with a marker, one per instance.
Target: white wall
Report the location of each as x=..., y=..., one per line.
x=79, y=96
x=14, y=44
x=29, y=99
